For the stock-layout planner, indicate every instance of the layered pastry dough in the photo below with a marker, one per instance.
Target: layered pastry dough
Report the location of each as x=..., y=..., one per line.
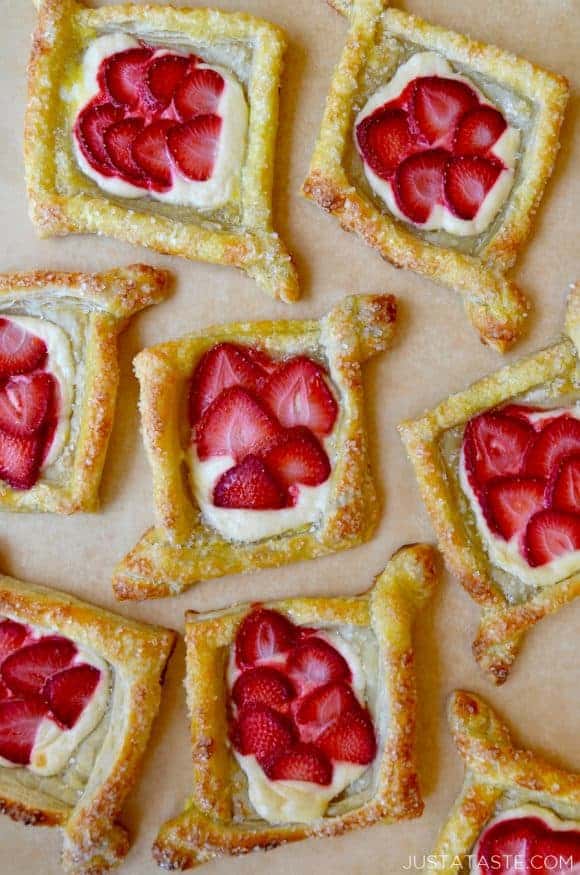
x=497, y=469
x=515, y=813
x=157, y=125
x=220, y=818
x=226, y=499
x=487, y=140
x=79, y=691
x=58, y=381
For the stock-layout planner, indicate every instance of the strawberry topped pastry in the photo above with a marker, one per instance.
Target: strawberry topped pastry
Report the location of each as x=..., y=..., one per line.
x=437, y=152
x=300, y=726
x=520, y=469
x=158, y=123
x=52, y=696
x=262, y=440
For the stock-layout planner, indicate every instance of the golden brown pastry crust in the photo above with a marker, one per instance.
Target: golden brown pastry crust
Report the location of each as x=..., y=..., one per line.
x=495, y=768
x=503, y=622
x=109, y=299
x=494, y=304
x=208, y=828
x=94, y=841
x=182, y=550
x=64, y=202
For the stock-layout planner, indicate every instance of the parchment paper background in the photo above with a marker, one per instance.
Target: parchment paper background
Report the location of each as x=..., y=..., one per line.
x=436, y=353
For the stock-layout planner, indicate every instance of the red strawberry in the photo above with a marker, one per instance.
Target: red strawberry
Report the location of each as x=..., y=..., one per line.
x=5, y=693
x=199, y=94
x=303, y=762
x=467, y=182
x=322, y=707
x=351, y=739
x=550, y=534
x=25, y=402
x=261, y=359
x=90, y=129
x=478, y=130
x=236, y=425
x=263, y=685
x=150, y=152
x=496, y=446
x=27, y=670
x=299, y=459
x=438, y=105
x=565, y=490
x=164, y=75
x=224, y=365
x=559, y=440
x=119, y=139
x=263, y=732
x=419, y=184
x=385, y=139
x=194, y=146
x=20, y=351
x=19, y=722
x=537, y=848
x=298, y=394
x=263, y=635
x=314, y=663
x=20, y=459
x=519, y=411
x=12, y=636
x=123, y=75
x=68, y=692
x=249, y=485
x=512, y=501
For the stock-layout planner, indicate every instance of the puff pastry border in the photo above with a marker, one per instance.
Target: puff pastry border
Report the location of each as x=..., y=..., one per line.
x=113, y=297
x=94, y=841
x=207, y=829
x=181, y=550
x=494, y=766
x=494, y=304
x=502, y=624
x=255, y=248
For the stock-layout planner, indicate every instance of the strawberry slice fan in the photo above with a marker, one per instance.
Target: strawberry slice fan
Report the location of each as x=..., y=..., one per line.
x=516, y=811
x=498, y=467
x=310, y=708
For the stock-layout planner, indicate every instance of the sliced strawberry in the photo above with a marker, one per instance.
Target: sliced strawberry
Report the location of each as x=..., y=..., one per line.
x=20, y=350
x=550, y=534
x=164, y=75
x=236, y=425
x=298, y=394
x=527, y=845
x=263, y=685
x=351, y=739
x=263, y=732
x=249, y=486
x=27, y=670
x=519, y=411
x=12, y=636
x=314, y=663
x=69, y=691
x=303, y=762
x=19, y=722
x=20, y=459
x=224, y=365
x=263, y=635
x=419, y=184
x=512, y=501
x=199, y=94
x=322, y=707
x=564, y=490
x=559, y=440
x=467, y=183
x=123, y=75
x=5, y=693
x=299, y=459
x=261, y=359
x=25, y=401
x=496, y=446
x=90, y=129
x=478, y=130
x=119, y=139
x=194, y=146
x=438, y=105
x=151, y=154
x=385, y=139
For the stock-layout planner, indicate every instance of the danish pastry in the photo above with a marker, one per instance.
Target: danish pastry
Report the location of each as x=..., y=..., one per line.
x=302, y=717
x=436, y=149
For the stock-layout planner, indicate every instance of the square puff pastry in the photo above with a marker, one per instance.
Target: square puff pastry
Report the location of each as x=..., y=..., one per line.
x=136, y=656
x=378, y=42
x=208, y=827
x=64, y=201
x=498, y=777
x=505, y=618
x=182, y=550
x=95, y=307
